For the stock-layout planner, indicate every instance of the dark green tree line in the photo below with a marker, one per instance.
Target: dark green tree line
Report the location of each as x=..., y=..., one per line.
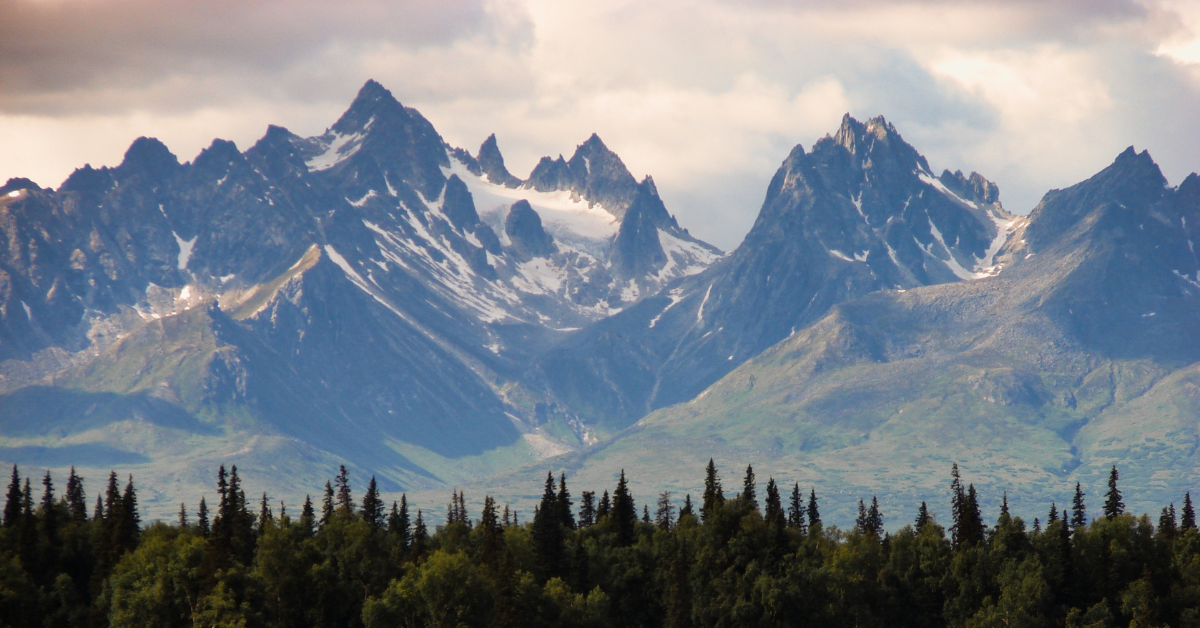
x=758, y=557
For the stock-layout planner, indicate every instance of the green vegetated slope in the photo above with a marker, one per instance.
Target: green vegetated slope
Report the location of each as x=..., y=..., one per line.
x=1081, y=353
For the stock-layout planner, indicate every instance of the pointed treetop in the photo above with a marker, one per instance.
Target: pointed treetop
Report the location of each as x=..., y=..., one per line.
x=1078, y=509
x=1113, y=506
x=749, y=492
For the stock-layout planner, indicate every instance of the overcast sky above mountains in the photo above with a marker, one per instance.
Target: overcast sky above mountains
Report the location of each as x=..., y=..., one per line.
x=707, y=95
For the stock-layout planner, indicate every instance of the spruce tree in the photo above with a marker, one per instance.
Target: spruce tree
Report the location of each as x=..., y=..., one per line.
x=264, y=513
x=76, y=502
x=547, y=533
x=49, y=514
x=748, y=488
x=327, y=505
x=345, y=501
x=605, y=507
x=624, y=512
x=110, y=528
x=796, y=509
x=1188, y=520
x=958, y=499
x=452, y=508
x=874, y=518
x=645, y=513
x=587, y=509
x=420, y=536
x=308, y=515
x=183, y=518
x=1053, y=516
x=922, y=517
x=12, y=507
x=372, y=505
x=98, y=510
x=774, y=507
x=27, y=536
x=714, y=496
x=860, y=522
x=491, y=544
x=814, y=515
x=1078, y=509
x=393, y=519
x=563, y=505
x=686, y=510
x=972, y=518
x=237, y=522
x=1037, y=526
x=130, y=525
x=1113, y=506
x=202, y=518
x=403, y=527
x=664, y=515
x=220, y=524
x=1166, y=522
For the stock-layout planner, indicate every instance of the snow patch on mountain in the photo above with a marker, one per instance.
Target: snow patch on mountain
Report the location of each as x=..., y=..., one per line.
x=684, y=258
x=337, y=148
x=1004, y=229
x=563, y=217
x=362, y=201
x=539, y=276
x=676, y=295
x=185, y=248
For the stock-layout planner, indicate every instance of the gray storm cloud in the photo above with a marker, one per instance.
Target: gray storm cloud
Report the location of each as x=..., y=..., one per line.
x=706, y=95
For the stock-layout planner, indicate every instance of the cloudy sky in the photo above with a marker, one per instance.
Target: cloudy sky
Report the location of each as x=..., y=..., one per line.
x=707, y=96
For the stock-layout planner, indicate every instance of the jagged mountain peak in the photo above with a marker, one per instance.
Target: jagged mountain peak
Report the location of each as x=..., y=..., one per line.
x=852, y=133
x=524, y=228
x=19, y=183
x=371, y=101
x=974, y=187
x=1132, y=184
x=149, y=156
x=594, y=173
x=217, y=155
x=638, y=248
x=491, y=163
x=647, y=183
x=875, y=144
x=593, y=145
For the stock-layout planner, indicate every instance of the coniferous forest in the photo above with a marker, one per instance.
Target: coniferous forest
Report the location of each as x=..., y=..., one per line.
x=758, y=556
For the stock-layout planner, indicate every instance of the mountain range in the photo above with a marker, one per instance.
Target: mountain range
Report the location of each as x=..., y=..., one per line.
x=376, y=297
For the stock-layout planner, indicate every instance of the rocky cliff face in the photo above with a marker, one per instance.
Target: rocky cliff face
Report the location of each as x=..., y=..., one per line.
x=861, y=212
